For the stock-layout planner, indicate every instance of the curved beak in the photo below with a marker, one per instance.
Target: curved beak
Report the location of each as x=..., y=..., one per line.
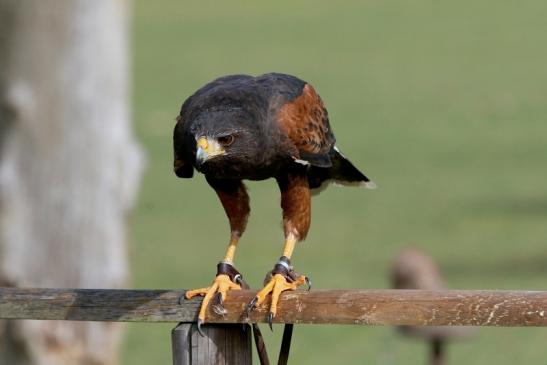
x=207, y=148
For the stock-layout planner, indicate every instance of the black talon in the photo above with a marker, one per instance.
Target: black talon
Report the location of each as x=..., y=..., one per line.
x=251, y=306
x=270, y=319
x=200, y=322
x=181, y=297
x=308, y=283
x=218, y=306
x=219, y=309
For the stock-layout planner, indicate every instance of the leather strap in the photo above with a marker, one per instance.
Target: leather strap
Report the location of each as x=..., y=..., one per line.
x=283, y=267
x=225, y=268
x=285, y=344
x=260, y=346
x=283, y=351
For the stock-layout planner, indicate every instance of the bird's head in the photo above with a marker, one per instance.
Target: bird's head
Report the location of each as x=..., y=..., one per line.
x=209, y=147
x=225, y=143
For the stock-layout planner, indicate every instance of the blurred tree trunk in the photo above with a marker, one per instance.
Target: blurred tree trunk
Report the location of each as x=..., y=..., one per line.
x=69, y=167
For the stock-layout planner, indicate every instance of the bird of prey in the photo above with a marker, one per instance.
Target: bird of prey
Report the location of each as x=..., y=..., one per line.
x=241, y=127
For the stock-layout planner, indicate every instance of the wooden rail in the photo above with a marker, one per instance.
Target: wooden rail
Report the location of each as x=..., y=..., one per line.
x=365, y=307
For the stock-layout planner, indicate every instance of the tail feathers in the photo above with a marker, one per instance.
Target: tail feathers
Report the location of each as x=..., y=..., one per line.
x=364, y=184
x=344, y=173
x=341, y=172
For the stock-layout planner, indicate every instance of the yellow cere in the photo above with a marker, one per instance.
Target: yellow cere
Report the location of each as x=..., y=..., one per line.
x=202, y=142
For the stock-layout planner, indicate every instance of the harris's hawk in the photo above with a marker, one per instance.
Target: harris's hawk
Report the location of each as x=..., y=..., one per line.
x=271, y=126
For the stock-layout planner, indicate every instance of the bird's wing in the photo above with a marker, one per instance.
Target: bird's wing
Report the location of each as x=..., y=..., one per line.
x=181, y=167
x=305, y=121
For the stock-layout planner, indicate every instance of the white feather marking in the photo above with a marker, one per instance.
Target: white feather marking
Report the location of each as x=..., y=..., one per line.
x=337, y=150
x=364, y=184
x=369, y=184
x=326, y=183
x=302, y=162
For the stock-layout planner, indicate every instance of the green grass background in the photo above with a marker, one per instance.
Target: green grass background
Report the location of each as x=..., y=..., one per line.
x=442, y=103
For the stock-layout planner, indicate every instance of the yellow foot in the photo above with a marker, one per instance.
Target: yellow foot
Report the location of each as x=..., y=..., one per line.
x=220, y=287
x=277, y=284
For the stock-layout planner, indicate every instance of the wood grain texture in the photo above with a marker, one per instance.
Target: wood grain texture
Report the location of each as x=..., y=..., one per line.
x=180, y=344
x=223, y=344
x=364, y=307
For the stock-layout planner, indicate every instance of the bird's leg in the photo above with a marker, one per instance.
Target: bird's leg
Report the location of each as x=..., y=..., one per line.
x=295, y=202
x=228, y=278
x=235, y=201
x=281, y=278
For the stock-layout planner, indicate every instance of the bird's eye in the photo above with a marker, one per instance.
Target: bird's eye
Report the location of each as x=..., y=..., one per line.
x=226, y=140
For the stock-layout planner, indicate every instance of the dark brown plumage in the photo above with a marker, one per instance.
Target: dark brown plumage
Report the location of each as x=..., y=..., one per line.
x=271, y=126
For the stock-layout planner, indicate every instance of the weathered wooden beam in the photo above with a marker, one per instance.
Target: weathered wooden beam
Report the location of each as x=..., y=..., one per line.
x=227, y=344
x=366, y=307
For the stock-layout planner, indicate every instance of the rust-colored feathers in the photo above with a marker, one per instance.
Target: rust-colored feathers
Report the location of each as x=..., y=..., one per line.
x=305, y=121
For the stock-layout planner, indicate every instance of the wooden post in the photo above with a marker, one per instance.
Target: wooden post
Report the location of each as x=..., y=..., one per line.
x=222, y=344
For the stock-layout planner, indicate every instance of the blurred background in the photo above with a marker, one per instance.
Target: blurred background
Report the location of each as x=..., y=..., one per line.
x=441, y=103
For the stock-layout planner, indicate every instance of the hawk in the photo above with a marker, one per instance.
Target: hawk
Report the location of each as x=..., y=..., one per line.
x=241, y=127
